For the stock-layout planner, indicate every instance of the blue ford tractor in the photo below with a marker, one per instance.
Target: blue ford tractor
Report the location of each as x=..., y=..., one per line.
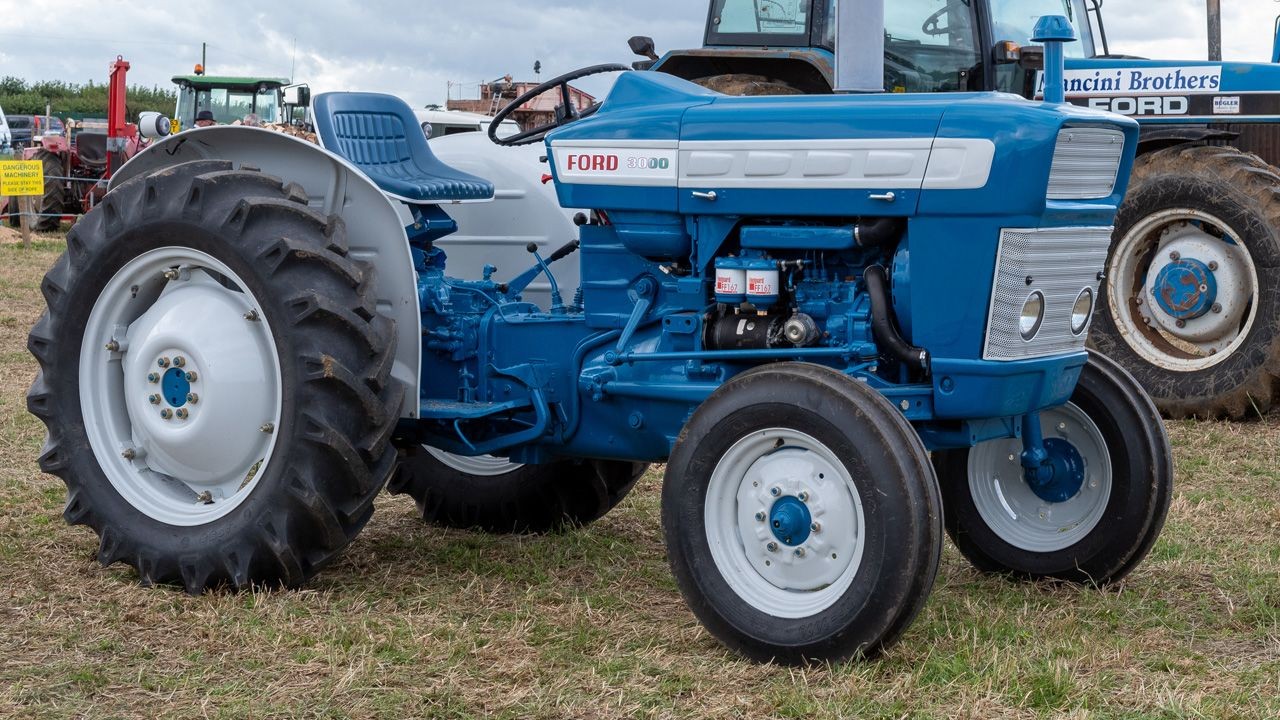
x=1191, y=305
x=789, y=301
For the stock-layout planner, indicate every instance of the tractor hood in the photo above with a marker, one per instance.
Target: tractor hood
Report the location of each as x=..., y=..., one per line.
x=663, y=145
x=1172, y=91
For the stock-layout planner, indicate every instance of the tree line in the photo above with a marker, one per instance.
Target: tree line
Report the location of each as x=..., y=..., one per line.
x=71, y=100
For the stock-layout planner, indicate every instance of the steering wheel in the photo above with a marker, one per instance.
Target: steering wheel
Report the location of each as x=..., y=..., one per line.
x=566, y=112
x=932, y=24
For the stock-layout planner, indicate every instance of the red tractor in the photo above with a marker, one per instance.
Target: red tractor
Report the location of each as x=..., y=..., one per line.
x=76, y=168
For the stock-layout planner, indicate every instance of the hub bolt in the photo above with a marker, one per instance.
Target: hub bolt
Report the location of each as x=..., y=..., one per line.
x=761, y=517
x=205, y=498
x=804, y=497
x=192, y=377
x=1138, y=302
x=1182, y=323
x=1175, y=256
x=153, y=378
x=772, y=547
x=155, y=399
x=179, y=362
x=166, y=414
x=171, y=274
x=182, y=413
x=193, y=398
x=1062, y=427
x=799, y=552
x=1217, y=308
x=816, y=527
x=268, y=428
x=129, y=454
x=776, y=492
x=252, y=316
x=113, y=346
x=163, y=362
x=1213, y=267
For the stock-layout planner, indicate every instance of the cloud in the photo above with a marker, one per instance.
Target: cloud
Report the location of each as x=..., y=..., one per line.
x=416, y=49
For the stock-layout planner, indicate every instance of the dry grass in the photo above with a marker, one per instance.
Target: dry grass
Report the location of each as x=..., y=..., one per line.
x=418, y=622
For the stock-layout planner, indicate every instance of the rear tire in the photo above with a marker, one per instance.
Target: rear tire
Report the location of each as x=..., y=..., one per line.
x=250, y=452
x=1100, y=533
x=802, y=517
x=1194, y=213
x=495, y=496
x=53, y=203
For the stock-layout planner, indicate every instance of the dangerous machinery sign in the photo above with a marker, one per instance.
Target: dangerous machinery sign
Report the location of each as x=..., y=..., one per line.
x=21, y=178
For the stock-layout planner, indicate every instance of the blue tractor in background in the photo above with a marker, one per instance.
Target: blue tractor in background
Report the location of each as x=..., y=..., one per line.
x=789, y=301
x=1191, y=305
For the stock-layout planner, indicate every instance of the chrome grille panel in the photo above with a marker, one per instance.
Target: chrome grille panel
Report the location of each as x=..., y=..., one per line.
x=1086, y=163
x=1060, y=262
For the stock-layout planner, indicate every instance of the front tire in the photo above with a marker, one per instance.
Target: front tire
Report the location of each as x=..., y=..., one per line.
x=1093, y=526
x=802, y=518
x=215, y=380
x=1191, y=306
x=498, y=496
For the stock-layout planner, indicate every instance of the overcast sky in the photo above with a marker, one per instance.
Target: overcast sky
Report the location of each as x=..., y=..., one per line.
x=415, y=49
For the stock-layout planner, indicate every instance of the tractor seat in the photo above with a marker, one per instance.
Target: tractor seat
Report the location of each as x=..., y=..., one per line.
x=380, y=135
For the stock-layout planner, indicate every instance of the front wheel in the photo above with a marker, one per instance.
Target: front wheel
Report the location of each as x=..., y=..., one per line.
x=1099, y=516
x=801, y=516
x=215, y=380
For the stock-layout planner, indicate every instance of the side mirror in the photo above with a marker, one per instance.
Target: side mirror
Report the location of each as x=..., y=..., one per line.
x=643, y=46
x=298, y=96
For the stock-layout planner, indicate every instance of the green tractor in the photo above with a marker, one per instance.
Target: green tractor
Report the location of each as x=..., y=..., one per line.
x=274, y=101
x=1192, y=298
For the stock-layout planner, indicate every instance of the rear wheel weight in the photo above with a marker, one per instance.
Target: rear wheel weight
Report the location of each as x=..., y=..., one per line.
x=1191, y=306
x=214, y=380
x=775, y=508
x=1106, y=528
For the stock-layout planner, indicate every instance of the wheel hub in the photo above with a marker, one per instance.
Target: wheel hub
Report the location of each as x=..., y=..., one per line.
x=176, y=388
x=1065, y=476
x=791, y=521
x=1186, y=289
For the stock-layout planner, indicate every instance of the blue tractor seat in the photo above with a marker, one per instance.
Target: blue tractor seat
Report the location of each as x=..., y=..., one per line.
x=380, y=135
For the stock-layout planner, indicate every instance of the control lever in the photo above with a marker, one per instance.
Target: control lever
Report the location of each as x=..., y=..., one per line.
x=518, y=285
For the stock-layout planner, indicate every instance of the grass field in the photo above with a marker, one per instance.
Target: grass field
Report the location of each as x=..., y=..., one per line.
x=418, y=622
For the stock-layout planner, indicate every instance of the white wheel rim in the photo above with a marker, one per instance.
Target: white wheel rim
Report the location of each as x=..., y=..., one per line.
x=168, y=306
x=482, y=466
x=1011, y=508
x=1201, y=342
x=780, y=579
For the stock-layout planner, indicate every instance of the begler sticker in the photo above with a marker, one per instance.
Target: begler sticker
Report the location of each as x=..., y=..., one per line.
x=1226, y=105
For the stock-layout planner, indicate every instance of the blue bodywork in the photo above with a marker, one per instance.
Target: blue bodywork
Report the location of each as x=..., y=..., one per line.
x=616, y=372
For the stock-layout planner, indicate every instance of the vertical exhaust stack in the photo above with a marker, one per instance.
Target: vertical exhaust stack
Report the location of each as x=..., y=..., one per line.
x=1214, y=8
x=1054, y=31
x=860, y=46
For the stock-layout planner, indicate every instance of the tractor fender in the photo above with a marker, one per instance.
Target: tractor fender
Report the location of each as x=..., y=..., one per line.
x=375, y=232
x=1157, y=138
x=55, y=144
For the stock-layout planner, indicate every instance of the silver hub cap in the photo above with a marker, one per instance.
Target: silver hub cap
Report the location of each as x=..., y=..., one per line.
x=785, y=523
x=1012, y=509
x=1139, y=272
x=180, y=386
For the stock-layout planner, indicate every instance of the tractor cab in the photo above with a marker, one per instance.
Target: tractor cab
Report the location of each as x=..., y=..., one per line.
x=230, y=99
x=788, y=46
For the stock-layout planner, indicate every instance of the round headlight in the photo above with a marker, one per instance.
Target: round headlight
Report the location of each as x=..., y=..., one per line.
x=1032, y=316
x=1082, y=312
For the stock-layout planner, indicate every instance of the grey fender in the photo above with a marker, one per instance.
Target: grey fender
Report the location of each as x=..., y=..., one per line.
x=334, y=186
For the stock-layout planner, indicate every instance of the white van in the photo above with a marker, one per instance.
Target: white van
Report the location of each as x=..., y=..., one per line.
x=6, y=137
x=442, y=123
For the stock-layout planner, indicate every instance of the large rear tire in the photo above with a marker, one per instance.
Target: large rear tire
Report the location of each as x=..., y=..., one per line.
x=54, y=202
x=215, y=380
x=1093, y=527
x=802, y=517
x=498, y=496
x=1191, y=306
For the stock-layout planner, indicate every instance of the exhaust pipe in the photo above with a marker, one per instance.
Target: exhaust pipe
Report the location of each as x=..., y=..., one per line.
x=1054, y=31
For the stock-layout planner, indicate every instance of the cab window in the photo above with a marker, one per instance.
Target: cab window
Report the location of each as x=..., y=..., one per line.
x=931, y=46
x=1016, y=20
x=772, y=22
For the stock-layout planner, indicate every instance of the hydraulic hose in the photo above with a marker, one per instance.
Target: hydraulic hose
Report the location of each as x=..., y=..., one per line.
x=878, y=232
x=884, y=325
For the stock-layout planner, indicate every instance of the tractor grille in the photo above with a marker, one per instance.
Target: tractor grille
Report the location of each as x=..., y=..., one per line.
x=1086, y=163
x=1059, y=263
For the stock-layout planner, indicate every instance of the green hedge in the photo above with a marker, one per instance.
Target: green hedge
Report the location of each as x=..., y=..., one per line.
x=68, y=100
